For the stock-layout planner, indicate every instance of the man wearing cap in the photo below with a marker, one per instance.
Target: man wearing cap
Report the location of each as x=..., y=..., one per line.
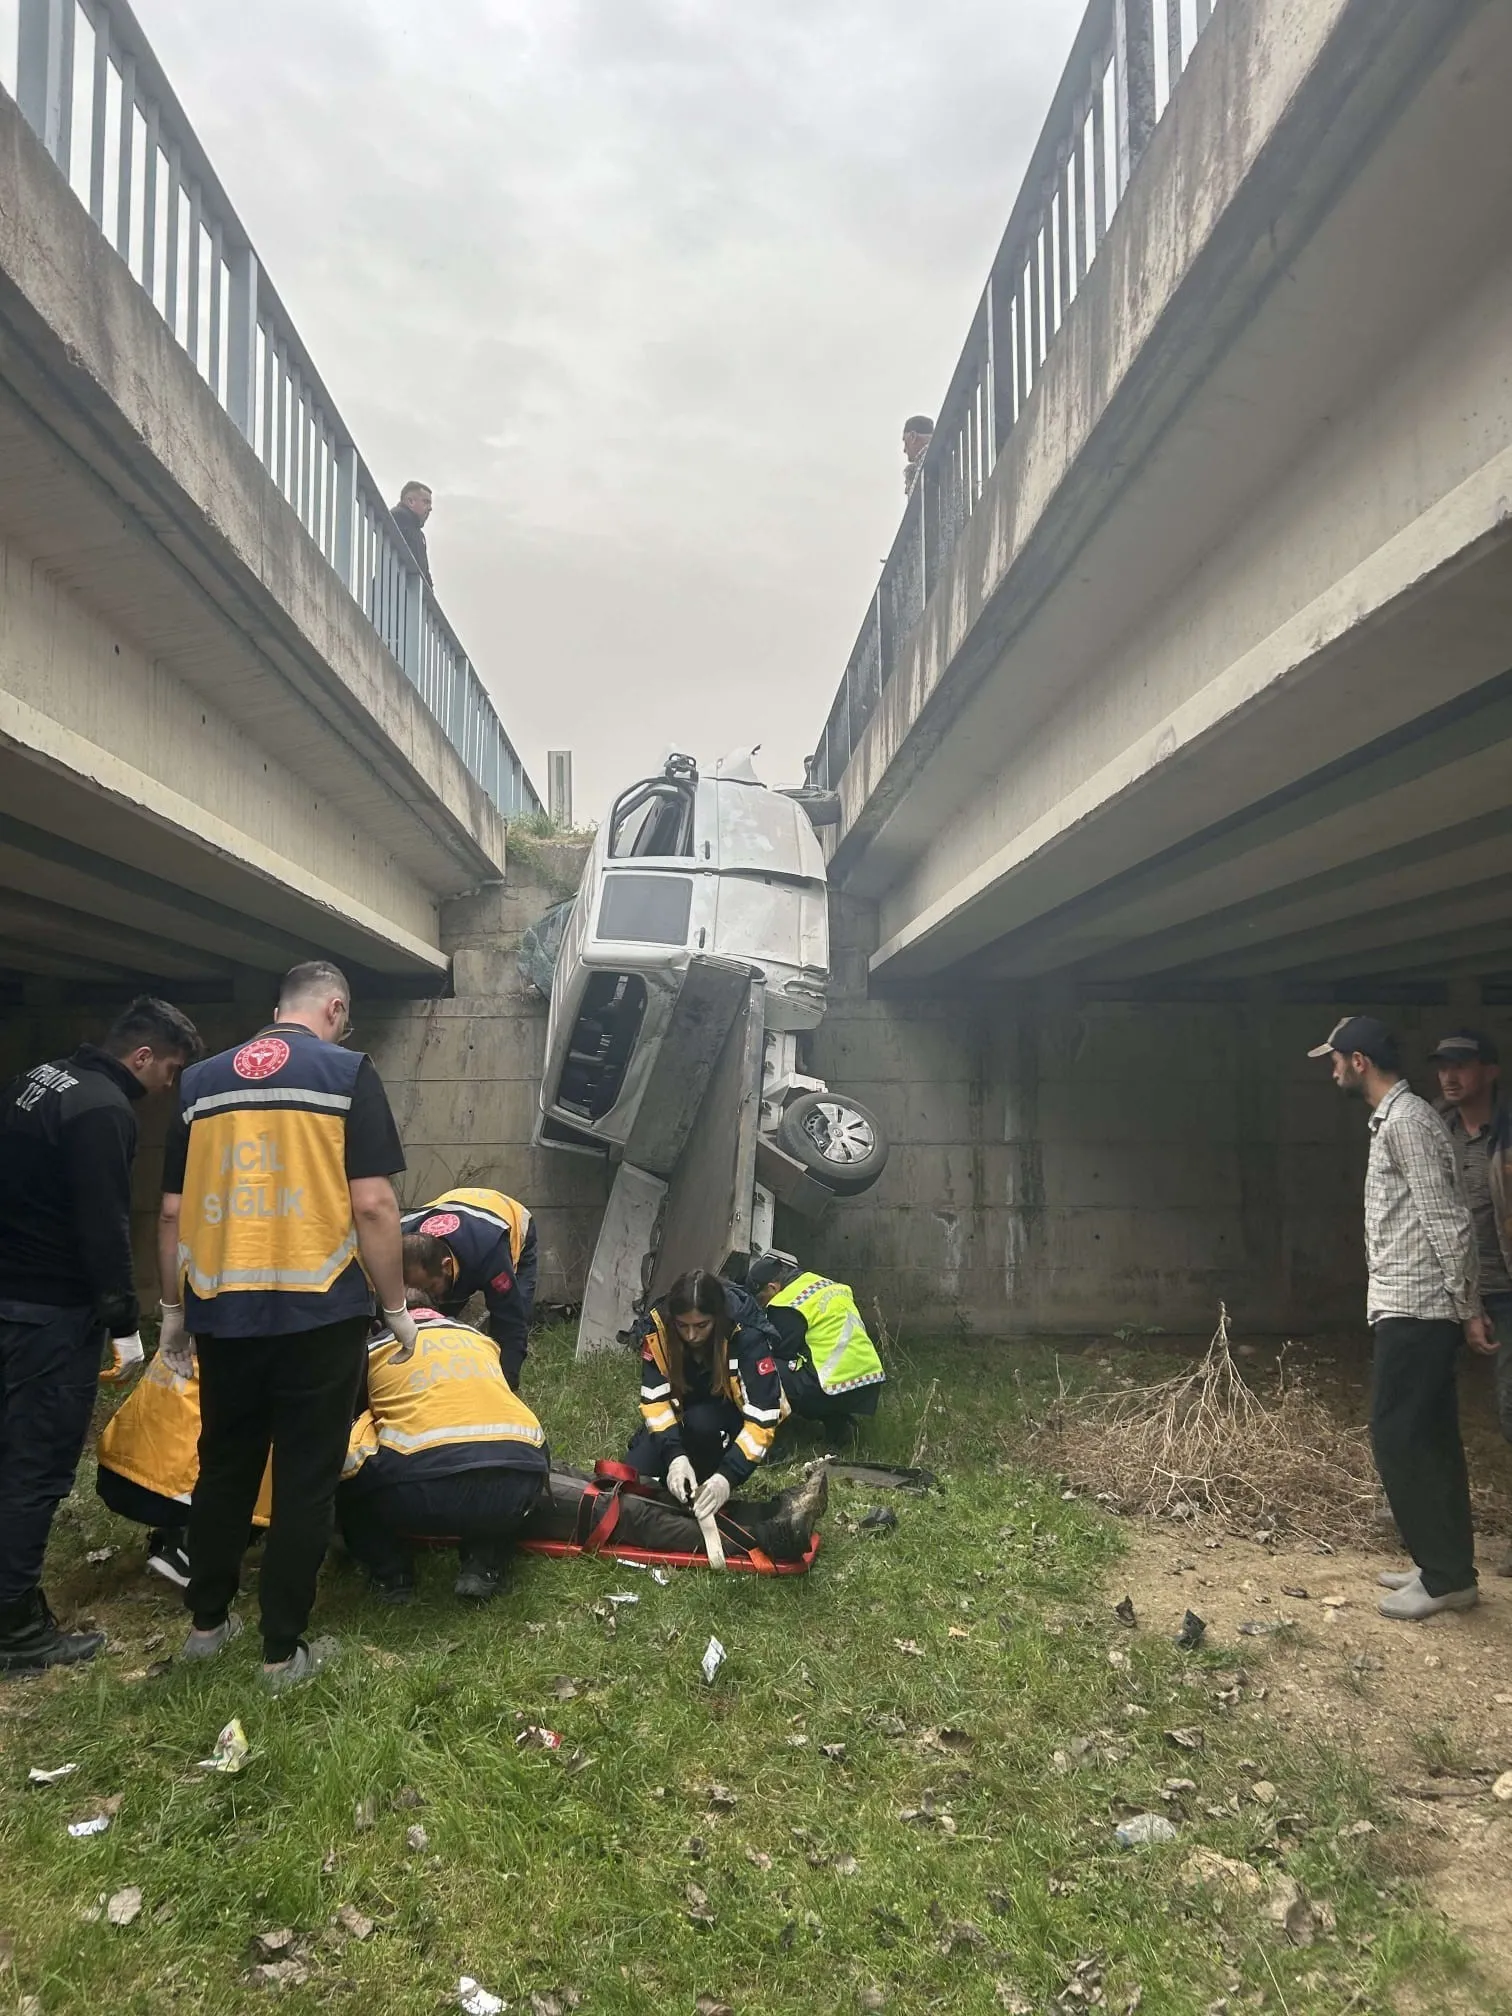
x=1480, y=1127
x=1423, y=1301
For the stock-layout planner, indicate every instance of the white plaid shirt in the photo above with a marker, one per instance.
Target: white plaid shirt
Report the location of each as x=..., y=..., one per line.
x=1419, y=1235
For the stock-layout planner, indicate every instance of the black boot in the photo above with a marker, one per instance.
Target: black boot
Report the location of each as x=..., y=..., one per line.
x=789, y=1526
x=481, y=1571
x=30, y=1638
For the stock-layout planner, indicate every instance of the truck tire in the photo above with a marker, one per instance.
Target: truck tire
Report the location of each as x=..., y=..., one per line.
x=836, y=1138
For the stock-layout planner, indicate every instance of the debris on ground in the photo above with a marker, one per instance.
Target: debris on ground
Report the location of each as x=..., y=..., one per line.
x=36, y=1777
x=835, y=1752
x=1193, y=1631
x=278, y=1944
x=563, y=1689
x=711, y=2005
x=721, y=1799
x=125, y=1907
x=880, y=1519
x=364, y=1815
x=1206, y=1869
x=1124, y=1612
x=353, y=1922
x=699, y=1913
x=538, y=1739
x=416, y=1840
x=1144, y=1829
x=621, y=1596
x=713, y=1658
x=231, y=1749
x=97, y=1556
x=280, y=1974
x=1185, y=1739
x=910, y=1646
x=474, y=1999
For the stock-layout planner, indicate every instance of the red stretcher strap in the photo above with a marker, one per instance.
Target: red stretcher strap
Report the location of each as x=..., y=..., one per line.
x=754, y=1563
x=607, y=1520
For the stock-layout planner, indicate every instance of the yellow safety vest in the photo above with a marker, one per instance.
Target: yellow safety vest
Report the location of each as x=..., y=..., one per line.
x=509, y=1213
x=450, y=1395
x=844, y=1355
x=267, y=1241
x=153, y=1439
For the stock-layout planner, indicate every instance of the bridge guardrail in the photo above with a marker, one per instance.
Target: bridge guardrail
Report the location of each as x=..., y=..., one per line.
x=89, y=85
x=1114, y=88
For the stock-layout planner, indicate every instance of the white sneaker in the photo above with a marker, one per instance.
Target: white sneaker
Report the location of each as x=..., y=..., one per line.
x=1414, y=1603
x=1399, y=1578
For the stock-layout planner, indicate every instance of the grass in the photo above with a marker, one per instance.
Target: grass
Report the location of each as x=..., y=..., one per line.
x=540, y=1878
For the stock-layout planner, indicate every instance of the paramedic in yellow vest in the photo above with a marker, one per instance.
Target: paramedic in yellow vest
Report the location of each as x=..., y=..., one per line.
x=830, y=1368
x=444, y=1448
x=148, y=1460
x=280, y=1228
x=476, y=1242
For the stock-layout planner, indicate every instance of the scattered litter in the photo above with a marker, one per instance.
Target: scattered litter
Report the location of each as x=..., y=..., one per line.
x=1143, y=1829
x=36, y=1777
x=364, y=1814
x=619, y=1596
x=891, y=1725
x=1363, y=1827
x=642, y=1567
x=757, y=1859
x=710, y=2005
x=713, y=1658
x=1185, y=1739
x=927, y=1814
x=556, y=2003
x=880, y=1519
x=1009, y=1999
x=908, y=1645
x=125, y=1907
x=846, y=1865
x=957, y=1631
x=1502, y=1789
x=474, y=2000
x=158, y=1668
x=80, y=1828
x=961, y=1936
x=1124, y=1612
x=281, y=1974
x=661, y=1578
x=1335, y=1602
x=1263, y=1792
x=329, y=1863
x=97, y=1555
x=699, y=1913
x=1298, y=1595
x=834, y=1751
x=1206, y=1869
x=276, y=1945
x=416, y=1840
x=950, y=1742
x=721, y=1799
x=231, y=1750
x=408, y=1800
x=538, y=1739
x=563, y=1689
x=1193, y=1629
x=352, y=1921
x=797, y=1742
x=1259, y=1627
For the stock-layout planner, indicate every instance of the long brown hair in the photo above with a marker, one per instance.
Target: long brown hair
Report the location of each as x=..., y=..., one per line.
x=701, y=1293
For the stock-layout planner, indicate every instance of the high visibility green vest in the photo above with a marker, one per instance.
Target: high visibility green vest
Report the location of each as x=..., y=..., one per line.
x=844, y=1356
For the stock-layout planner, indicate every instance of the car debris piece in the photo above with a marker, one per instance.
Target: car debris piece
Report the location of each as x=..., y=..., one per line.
x=474, y=1999
x=231, y=1750
x=125, y=1907
x=1143, y=1829
x=880, y=1519
x=36, y=1777
x=1193, y=1630
x=1124, y=1612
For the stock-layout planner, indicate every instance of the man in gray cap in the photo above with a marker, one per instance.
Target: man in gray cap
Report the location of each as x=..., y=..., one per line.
x=1423, y=1302
x=1480, y=1126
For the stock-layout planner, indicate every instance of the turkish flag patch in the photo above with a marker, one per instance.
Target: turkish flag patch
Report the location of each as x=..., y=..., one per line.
x=502, y=1283
x=767, y=1367
x=648, y=1354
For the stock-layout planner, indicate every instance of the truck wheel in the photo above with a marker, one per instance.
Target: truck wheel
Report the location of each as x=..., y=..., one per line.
x=836, y=1138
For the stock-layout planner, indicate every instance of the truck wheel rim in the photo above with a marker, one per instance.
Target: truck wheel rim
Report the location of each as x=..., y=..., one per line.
x=840, y=1133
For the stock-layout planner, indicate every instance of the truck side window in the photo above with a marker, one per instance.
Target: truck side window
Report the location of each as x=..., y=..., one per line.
x=652, y=819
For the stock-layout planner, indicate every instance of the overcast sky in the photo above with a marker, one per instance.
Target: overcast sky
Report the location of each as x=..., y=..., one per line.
x=645, y=289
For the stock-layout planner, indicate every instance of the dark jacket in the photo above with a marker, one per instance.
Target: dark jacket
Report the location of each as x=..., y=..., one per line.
x=68, y=1138
x=744, y=1375
x=414, y=537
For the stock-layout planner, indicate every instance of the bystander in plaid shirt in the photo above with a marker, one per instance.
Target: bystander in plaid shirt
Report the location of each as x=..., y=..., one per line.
x=1419, y=1236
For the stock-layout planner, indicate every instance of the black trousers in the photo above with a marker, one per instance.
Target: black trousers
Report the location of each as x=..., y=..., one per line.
x=1499, y=1309
x=481, y=1509
x=294, y=1395
x=1415, y=1430
x=130, y=1500
x=808, y=1399
x=708, y=1428
x=49, y=1375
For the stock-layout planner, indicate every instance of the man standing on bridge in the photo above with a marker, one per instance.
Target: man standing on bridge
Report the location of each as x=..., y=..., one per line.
x=278, y=1224
x=410, y=514
x=1423, y=1303
x=68, y=1137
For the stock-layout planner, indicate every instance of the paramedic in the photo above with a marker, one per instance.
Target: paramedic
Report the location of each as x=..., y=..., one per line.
x=476, y=1241
x=830, y=1368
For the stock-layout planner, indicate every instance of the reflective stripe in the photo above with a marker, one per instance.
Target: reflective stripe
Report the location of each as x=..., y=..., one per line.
x=290, y=1095
x=480, y=1431
x=268, y=1277
x=660, y=1419
x=654, y=1393
x=772, y=1414
x=877, y=1378
x=753, y=1443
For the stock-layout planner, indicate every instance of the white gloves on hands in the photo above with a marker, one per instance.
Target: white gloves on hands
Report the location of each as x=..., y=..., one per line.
x=405, y=1332
x=175, y=1345
x=126, y=1357
x=712, y=1497
x=682, y=1480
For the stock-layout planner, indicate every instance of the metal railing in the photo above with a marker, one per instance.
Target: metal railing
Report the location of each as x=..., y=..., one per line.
x=88, y=83
x=1111, y=96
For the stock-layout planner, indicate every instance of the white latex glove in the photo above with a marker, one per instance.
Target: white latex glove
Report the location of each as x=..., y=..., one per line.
x=175, y=1345
x=712, y=1497
x=405, y=1332
x=682, y=1480
x=126, y=1357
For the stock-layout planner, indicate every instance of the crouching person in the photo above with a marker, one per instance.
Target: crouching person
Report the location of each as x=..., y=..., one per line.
x=443, y=1448
x=830, y=1368
x=710, y=1395
x=148, y=1456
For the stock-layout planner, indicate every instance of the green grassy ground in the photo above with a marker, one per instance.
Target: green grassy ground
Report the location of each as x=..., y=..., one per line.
x=616, y=1878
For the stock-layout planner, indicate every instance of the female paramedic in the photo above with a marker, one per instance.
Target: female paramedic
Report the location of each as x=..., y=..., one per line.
x=711, y=1393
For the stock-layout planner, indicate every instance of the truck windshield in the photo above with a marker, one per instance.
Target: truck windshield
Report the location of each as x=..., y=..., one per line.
x=654, y=818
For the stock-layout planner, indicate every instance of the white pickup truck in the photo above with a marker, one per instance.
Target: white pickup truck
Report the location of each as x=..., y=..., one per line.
x=694, y=960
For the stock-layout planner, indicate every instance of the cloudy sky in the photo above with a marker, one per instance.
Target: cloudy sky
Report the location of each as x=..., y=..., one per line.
x=644, y=288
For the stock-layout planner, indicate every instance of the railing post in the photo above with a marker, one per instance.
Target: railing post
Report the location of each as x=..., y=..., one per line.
x=1133, y=81
x=241, y=341
x=412, y=633
x=44, y=74
x=344, y=559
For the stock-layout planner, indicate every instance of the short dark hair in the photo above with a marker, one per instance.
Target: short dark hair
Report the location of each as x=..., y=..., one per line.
x=313, y=977
x=411, y=487
x=770, y=1270
x=154, y=1025
x=918, y=423
x=425, y=1253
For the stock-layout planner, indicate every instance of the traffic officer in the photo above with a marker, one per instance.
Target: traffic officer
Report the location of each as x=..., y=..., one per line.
x=444, y=1447
x=279, y=1224
x=476, y=1241
x=710, y=1394
x=68, y=1136
x=830, y=1368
